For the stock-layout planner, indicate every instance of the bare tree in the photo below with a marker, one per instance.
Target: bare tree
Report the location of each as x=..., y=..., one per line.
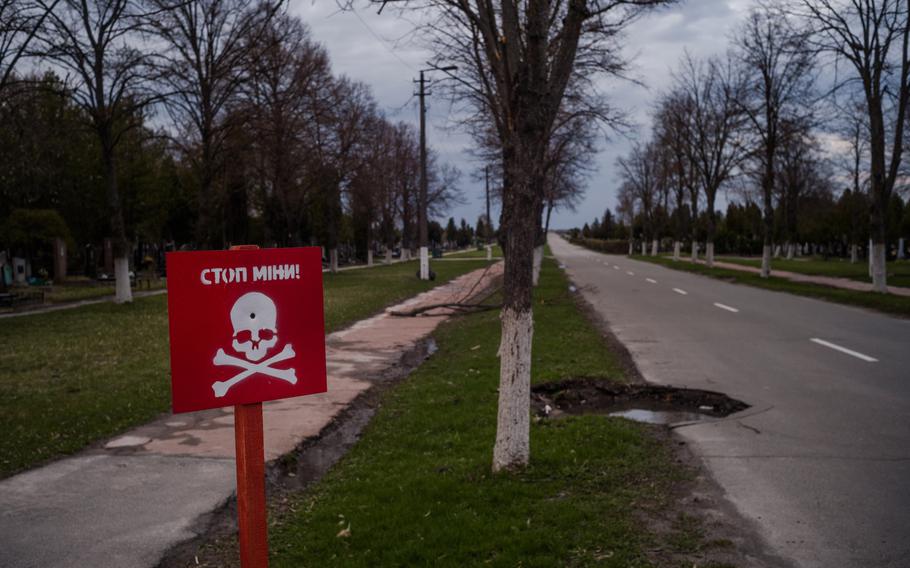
x=712, y=92
x=778, y=72
x=517, y=61
x=109, y=75
x=874, y=39
x=625, y=209
x=286, y=71
x=20, y=22
x=673, y=134
x=207, y=42
x=796, y=167
x=641, y=174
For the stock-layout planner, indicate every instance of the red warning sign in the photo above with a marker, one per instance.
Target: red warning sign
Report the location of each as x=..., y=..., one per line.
x=245, y=326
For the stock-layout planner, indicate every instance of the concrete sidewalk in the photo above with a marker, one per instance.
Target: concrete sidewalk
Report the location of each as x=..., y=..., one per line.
x=832, y=281
x=128, y=502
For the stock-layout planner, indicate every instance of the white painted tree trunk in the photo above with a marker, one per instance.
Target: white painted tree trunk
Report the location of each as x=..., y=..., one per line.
x=766, y=261
x=709, y=254
x=538, y=260
x=854, y=253
x=388, y=256
x=405, y=254
x=122, y=291
x=369, y=257
x=333, y=260
x=512, y=447
x=644, y=248
x=631, y=248
x=654, y=246
x=869, y=255
x=879, y=271
x=694, y=251
x=424, y=263
x=489, y=252
x=677, y=246
x=777, y=250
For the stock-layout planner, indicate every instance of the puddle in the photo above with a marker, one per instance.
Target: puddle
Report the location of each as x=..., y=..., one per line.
x=643, y=403
x=658, y=416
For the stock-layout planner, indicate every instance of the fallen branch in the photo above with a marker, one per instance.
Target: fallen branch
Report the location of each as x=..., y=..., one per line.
x=464, y=308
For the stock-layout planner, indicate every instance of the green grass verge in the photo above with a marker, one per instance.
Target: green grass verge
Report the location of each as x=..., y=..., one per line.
x=60, y=294
x=72, y=377
x=416, y=490
x=497, y=253
x=886, y=303
x=898, y=271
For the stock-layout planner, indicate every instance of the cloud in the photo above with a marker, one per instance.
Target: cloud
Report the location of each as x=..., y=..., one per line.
x=380, y=51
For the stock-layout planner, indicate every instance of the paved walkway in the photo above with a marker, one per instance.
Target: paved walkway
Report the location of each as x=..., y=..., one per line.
x=832, y=281
x=127, y=503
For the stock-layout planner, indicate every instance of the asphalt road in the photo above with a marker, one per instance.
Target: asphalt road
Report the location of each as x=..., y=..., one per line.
x=821, y=462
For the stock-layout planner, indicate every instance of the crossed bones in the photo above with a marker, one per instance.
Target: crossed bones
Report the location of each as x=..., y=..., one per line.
x=264, y=368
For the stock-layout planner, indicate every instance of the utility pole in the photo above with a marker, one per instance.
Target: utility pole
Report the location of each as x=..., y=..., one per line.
x=488, y=227
x=423, y=237
x=423, y=233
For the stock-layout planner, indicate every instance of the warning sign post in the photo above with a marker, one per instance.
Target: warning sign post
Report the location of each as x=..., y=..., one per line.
x=246, y=326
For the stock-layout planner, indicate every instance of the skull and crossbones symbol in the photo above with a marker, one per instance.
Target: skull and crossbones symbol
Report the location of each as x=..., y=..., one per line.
x=254, y=318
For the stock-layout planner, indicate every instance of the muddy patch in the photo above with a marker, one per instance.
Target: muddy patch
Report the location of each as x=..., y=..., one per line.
x=640, y=402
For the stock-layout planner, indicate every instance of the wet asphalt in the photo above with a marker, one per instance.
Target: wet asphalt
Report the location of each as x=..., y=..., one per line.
x=821, y=460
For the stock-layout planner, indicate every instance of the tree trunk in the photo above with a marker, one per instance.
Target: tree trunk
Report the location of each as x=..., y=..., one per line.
x=489, y=252
x=791, y=250
x=854, y=253
x=522, y=194
x=709, y=254
x=538, y=261
x=694, y=251
x=120, y=245
x=676, y=248
x=388, y=255
x=644, y=247
x=631, y=247
x=333, y=260
x=654, y=246
x=424, y=263
x=369, y=257
x=513, y=421
x=766, y=261
x=122, y=291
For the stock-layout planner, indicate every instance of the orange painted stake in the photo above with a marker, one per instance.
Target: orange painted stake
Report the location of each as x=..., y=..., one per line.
x=250, y=451
x=251, y=516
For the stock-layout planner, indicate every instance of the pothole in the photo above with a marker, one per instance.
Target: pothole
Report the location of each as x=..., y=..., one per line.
x=643, y=403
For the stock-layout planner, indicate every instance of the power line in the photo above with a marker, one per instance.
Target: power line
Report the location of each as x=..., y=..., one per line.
x=382, y=41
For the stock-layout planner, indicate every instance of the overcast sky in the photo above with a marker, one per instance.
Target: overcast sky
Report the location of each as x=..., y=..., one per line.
x=379, y=51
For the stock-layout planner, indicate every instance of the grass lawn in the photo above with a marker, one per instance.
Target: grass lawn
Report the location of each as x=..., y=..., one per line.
x=482, y=254
x=58, y=294
x=898, y=271
x=72, y=377
x=417, y=490
x=887, y=303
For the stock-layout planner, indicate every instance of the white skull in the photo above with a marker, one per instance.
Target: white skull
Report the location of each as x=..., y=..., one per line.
x=254, y=319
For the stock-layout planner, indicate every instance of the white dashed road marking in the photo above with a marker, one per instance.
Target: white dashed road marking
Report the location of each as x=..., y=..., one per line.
x=615, y=267
x=630, y=273
x=651, y=280
x=850, y=352
x=678, y=291
x=726, y=307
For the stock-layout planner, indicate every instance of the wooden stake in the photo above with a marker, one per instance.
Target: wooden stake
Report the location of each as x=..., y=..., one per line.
x=251, y=515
